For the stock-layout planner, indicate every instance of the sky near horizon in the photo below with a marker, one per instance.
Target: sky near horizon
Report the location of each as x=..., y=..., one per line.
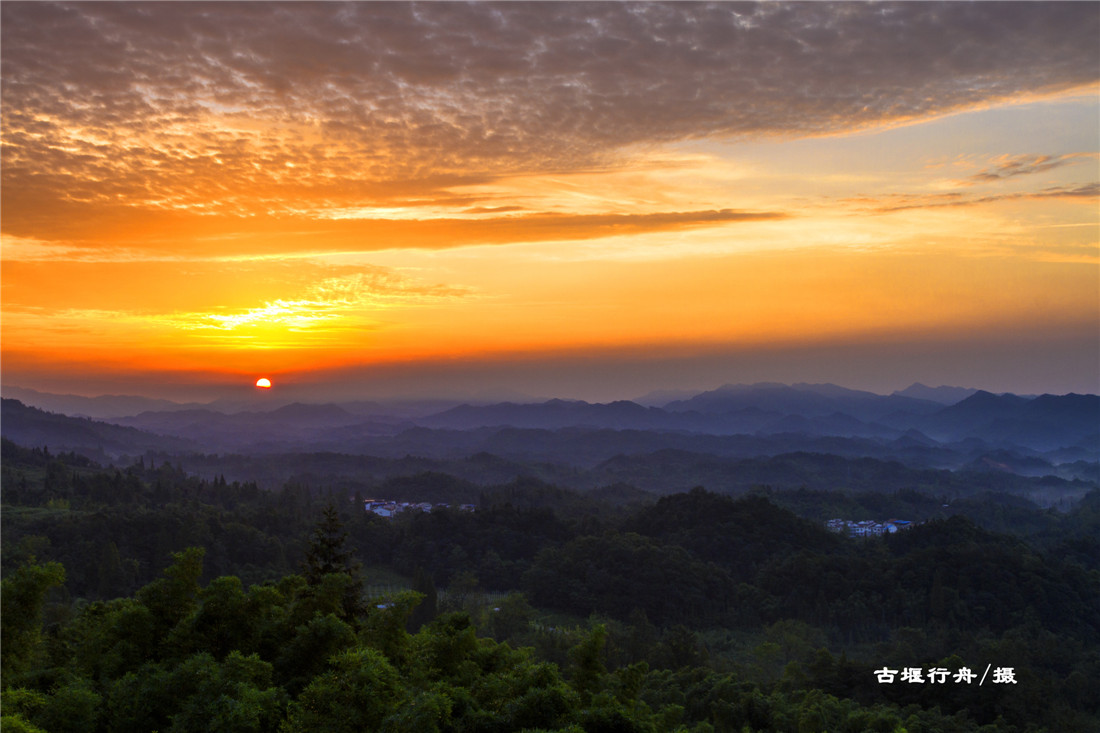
x=586, y=200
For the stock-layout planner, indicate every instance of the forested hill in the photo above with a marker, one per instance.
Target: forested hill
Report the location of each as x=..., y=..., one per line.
x=693, y=612
x=579, y=458
x=31, y=427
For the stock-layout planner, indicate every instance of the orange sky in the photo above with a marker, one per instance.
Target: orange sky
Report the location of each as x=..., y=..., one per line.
x=197, y=194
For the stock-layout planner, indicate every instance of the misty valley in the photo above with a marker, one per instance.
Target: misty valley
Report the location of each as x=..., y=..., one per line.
x=756, y=557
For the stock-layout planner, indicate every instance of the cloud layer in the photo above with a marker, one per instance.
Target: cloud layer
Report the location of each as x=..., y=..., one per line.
x=150, y=116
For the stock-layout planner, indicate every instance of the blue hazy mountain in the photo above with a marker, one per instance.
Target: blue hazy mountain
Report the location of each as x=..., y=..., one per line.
x=34, y=428
x=1049, y=434
x=102, y=407
x=942, y=394
x=807, y=400
x=1043, y=423
x=285, y=427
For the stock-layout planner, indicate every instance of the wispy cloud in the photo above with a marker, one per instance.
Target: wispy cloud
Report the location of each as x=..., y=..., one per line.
x=902, y=202
x=1012, y=166
x=358, y=230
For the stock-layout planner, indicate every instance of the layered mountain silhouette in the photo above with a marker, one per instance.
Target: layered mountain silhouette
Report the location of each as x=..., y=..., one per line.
x=1045, y=435
x=102, y=407
x=1043, y=423
x=34, y=428
x=942, y=394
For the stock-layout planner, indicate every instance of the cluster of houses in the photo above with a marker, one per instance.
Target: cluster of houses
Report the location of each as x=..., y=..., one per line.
x=868, y=527
x=387, y=508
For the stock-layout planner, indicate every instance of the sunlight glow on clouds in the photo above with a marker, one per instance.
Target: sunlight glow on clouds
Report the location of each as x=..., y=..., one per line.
x=329, y=306
x=500, y=177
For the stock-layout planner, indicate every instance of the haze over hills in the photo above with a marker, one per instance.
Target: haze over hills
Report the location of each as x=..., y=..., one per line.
x=101, y=441
x=1046, y=435
x=942, y=394
x=766, y=395
x=107, y=407
x=102, y=407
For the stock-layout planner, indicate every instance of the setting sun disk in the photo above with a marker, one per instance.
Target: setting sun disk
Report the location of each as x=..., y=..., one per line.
x=263, y=383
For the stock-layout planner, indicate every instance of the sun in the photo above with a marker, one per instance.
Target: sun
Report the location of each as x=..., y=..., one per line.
x=263, y=383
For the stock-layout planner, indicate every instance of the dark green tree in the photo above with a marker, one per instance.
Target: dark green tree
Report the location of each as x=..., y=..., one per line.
x=173, y=597
x=360, y=692
x=73, y=707
x=24, y=594
x=588, y=667
x=327, y=554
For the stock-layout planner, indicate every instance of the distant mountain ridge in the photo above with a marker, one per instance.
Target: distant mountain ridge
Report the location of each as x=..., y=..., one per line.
x=290, y=425
x=942, y=394
x=119, y=406
x=1048, y=430
x=1045, y=436
x=112, y=407
x=102, y=407
x=1045, y=422
x=1042, y=423
x=807, y=400
x=31, y=427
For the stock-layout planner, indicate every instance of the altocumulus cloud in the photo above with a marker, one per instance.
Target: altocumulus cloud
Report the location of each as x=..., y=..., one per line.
x=236, y=108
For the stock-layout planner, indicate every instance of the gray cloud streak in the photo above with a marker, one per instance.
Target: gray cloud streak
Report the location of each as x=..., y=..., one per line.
x=904, y=202
x=1022, y=165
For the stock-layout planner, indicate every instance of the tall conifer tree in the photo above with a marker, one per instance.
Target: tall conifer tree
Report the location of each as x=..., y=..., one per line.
x=327, y=555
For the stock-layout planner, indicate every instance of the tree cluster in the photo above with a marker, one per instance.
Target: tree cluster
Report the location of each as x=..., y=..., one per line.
x=542, y=610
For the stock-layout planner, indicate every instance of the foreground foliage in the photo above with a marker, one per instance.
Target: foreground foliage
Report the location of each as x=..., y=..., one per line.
x=698, y=612
x=179, y=656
